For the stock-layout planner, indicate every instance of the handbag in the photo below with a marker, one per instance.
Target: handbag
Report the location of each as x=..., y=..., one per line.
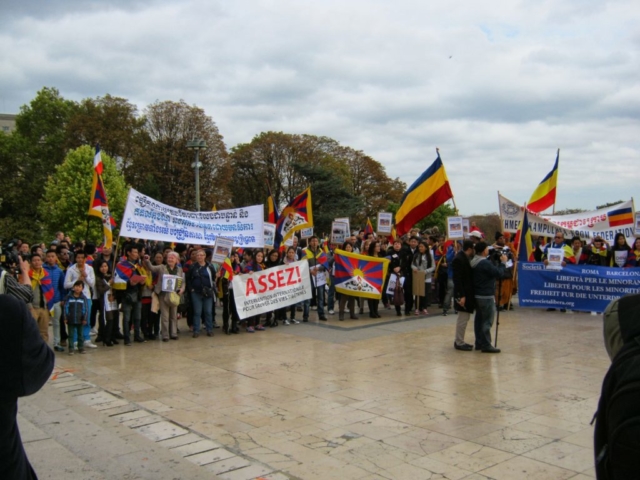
x=398, y=295
x=174, y=299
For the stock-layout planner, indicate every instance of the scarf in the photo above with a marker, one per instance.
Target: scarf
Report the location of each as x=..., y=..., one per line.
x=42, y=280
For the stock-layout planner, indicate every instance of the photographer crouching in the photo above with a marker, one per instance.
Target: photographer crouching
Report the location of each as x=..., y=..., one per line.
x=26, y=362
x=485, y=274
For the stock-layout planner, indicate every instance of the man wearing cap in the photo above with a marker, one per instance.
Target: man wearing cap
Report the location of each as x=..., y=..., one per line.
x=475, y=236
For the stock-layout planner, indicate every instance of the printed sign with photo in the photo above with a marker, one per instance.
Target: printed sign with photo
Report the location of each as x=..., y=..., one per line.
x=339, y=232
x=169, y=283
x=269, y=234
x=454, y=228
x=385, y=220
x=306, y=233
x=466, y=227
x=222, y=249
x=344, y=220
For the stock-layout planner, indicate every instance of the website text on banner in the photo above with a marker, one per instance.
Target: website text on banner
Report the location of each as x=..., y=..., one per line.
x=605, y=222
x=268, y=290
x=147, y=218
x=577, y=287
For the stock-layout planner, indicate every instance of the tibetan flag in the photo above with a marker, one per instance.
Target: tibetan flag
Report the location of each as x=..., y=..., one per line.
x=619, y=217
x=124, y=271
x=43, y=280
x=360, y=275
x=295, y=216
x=227, y=269
x=544, y=195
x=100, y=208
x=272, y=211
x=97, y=161
x=368, y=228
x=427, y=193
x=525, y=247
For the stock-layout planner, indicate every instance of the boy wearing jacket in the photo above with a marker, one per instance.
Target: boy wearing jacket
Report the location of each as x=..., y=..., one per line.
x=76, y=312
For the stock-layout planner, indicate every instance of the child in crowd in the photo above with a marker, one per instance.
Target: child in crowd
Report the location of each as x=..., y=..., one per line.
x=76, y=311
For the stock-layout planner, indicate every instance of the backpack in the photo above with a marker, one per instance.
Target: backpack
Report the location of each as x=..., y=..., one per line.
x=617, y=431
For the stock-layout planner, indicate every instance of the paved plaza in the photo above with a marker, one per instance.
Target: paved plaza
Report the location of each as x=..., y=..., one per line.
x=365, y=399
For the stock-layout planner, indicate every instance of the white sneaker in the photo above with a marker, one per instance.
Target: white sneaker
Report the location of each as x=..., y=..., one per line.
x=90, y=344
x=93, y=332
x=314, y=308
x=331, y=312
x=295, y=322
x=286, y=322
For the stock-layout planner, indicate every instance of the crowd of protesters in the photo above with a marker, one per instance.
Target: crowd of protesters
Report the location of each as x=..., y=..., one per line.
x=94, y=296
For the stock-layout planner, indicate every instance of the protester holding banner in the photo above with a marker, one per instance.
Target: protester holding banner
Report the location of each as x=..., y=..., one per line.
x=424, y=262
x=343, y=299
x=273, y=260
x=373, y=303
x=598, y=253
x=619, y=252
x=634, y=255
x=256, y=264
x=292, y=256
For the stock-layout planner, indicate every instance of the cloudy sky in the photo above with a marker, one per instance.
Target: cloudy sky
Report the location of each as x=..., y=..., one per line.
x=498, y=86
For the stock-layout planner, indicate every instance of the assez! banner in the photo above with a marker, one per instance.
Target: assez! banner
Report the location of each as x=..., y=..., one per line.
x=260, y=292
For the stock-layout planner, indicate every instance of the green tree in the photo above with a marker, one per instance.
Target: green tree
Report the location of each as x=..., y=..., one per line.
x=67, y=196
x=112, y=122
x=438, y=219
x=29, y=156
x=329, y=199
x=169, y=126
x=609, y=204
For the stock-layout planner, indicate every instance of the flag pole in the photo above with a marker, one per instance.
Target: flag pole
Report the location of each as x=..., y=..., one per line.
x=453, y=198
x=553, y=212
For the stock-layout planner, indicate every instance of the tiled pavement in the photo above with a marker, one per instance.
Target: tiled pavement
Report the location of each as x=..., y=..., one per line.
x=346, y=400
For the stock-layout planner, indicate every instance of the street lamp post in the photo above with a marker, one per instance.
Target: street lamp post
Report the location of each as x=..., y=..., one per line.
x=197, y=145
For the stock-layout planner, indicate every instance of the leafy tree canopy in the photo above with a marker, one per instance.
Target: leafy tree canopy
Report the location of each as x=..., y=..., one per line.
x=67, y=196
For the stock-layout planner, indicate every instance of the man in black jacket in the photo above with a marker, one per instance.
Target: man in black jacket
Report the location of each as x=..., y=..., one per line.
x=407, y=253
x=485, y=274
x=25, y=365
x=464, y=301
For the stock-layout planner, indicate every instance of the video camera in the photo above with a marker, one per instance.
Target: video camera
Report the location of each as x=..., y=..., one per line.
x=9, y=259
x=496, y=253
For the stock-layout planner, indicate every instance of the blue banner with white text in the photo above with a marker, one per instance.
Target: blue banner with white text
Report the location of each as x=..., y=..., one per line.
x=576, y=287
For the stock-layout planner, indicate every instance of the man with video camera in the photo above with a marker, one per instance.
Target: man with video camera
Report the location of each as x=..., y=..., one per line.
x=26, y=361
x=485, y=274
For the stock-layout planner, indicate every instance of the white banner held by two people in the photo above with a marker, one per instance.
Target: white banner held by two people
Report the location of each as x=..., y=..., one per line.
x=271, y=289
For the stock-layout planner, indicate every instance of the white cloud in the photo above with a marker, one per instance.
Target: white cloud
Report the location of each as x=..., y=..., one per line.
x=497, y=88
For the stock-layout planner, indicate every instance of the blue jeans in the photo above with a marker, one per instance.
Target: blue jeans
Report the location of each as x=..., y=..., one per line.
x=319, y=301
x=202, y=304
x=332, y=293
x=483, y=321
x=86, y=329
x=129, y=310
